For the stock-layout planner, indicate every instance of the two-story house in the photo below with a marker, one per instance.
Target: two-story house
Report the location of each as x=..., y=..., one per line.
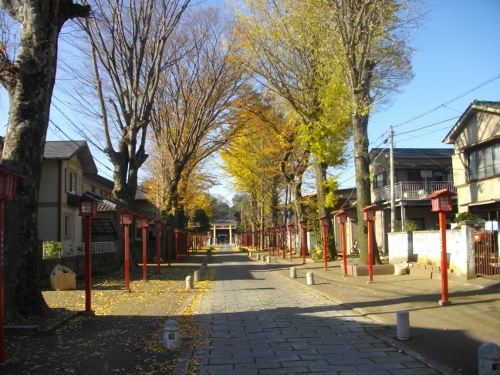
x=476, y=161
x=69, y=172
x=417, y=173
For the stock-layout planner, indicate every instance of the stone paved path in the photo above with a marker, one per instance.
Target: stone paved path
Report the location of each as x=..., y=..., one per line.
x=257, y=323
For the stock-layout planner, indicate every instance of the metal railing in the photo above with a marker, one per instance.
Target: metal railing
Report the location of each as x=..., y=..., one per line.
x=54, y=249
x=411, y=190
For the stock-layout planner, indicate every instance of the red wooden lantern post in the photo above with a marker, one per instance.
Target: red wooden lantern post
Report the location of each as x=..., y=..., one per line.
x=144, y=224
x=342, y=219
x=283, y=240
x=158, y=227
x=369, y=216
x=325, y=222
x=303, y=228
x=126, y=219
x=176, y=242
x=88, y=209
x=441, y=202
x=168, y=229
x=8, y=185
x=290, y=232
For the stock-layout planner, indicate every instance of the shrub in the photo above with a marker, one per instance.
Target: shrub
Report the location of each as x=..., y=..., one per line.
x=53, y=249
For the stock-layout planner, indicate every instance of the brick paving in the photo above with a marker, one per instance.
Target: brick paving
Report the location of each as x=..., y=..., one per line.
x=257, y=322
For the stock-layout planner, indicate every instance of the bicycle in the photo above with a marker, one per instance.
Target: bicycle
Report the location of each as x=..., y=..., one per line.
x=355, y=248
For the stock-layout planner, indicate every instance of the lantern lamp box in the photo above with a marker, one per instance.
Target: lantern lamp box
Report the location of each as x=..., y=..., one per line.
x=62, y=278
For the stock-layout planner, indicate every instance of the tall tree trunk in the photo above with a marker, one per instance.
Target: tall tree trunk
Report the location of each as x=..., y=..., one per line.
x=320, y=171
x=361, y=163
x=29, y=82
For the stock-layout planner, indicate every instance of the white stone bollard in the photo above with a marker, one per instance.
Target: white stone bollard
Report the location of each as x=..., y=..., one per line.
x=310, y=278
x=293, y=273
x=171, y=335
x=488, y=356
x=268, y=259
x=196, y=276
x=403, y=325
x=189, y=282
x=250, y=254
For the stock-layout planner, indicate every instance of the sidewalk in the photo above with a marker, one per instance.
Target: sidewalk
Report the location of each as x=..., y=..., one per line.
x=256, y=322
x=448, y=335
x=125, y=335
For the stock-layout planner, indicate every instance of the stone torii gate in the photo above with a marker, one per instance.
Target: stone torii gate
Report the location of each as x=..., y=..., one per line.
x=227, y=224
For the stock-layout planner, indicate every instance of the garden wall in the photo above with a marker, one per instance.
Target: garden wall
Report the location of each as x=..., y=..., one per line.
x=425, y=247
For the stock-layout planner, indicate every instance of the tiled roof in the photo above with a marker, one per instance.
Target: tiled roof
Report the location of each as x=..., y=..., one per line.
x=476, y=105
x=486, y=104
x=415, y=152
x=64, y=150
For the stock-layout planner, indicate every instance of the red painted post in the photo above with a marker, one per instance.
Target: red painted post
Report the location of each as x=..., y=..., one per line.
x=88, y=266
x=126, y=261
x=290, y=229
x=370, y=251
x=441, y=202
x=126, y=218
x=369, y=216
x=303, y=227
x=176, y=242
x=158, y=227
x=344, y=251
x=168, y=229
x=325, y=247
x=325, y=222
x=342, y=219
x=444, y=260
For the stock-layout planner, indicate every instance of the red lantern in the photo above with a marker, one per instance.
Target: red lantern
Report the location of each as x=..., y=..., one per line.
x=158, y=225
x=87, y=207
x=341, y=217
x=126, y=217
x=144, y=221
x=441, y=200
x=369, y=213
x=325, y=221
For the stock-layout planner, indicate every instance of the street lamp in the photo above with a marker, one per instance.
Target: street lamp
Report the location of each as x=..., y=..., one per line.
x=144, y=221
x=88, y=209
x=158, y=227
x=126, y=219
x=8, y=185
x=290, y=230
x=342, y=219
x=441, y=202
x=303, y=228
x=325, y=222
x=168, y=229
x=369, y=217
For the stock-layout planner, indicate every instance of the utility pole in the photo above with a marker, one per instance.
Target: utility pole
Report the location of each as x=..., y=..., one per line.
x=391, y=162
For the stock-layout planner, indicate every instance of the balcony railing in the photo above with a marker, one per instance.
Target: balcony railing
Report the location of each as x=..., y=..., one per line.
x=411, y=190
x=53, y=249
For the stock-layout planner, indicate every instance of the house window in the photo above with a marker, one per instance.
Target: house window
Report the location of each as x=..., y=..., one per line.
x=380, y=180
x=67, y=226
x=484, y=162
x=92, y=188
x=71, y=182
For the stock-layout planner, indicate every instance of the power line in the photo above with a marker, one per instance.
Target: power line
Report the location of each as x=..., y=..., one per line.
x=449, y=101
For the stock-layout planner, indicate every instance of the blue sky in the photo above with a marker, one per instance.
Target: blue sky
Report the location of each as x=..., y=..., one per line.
x=458, y=49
